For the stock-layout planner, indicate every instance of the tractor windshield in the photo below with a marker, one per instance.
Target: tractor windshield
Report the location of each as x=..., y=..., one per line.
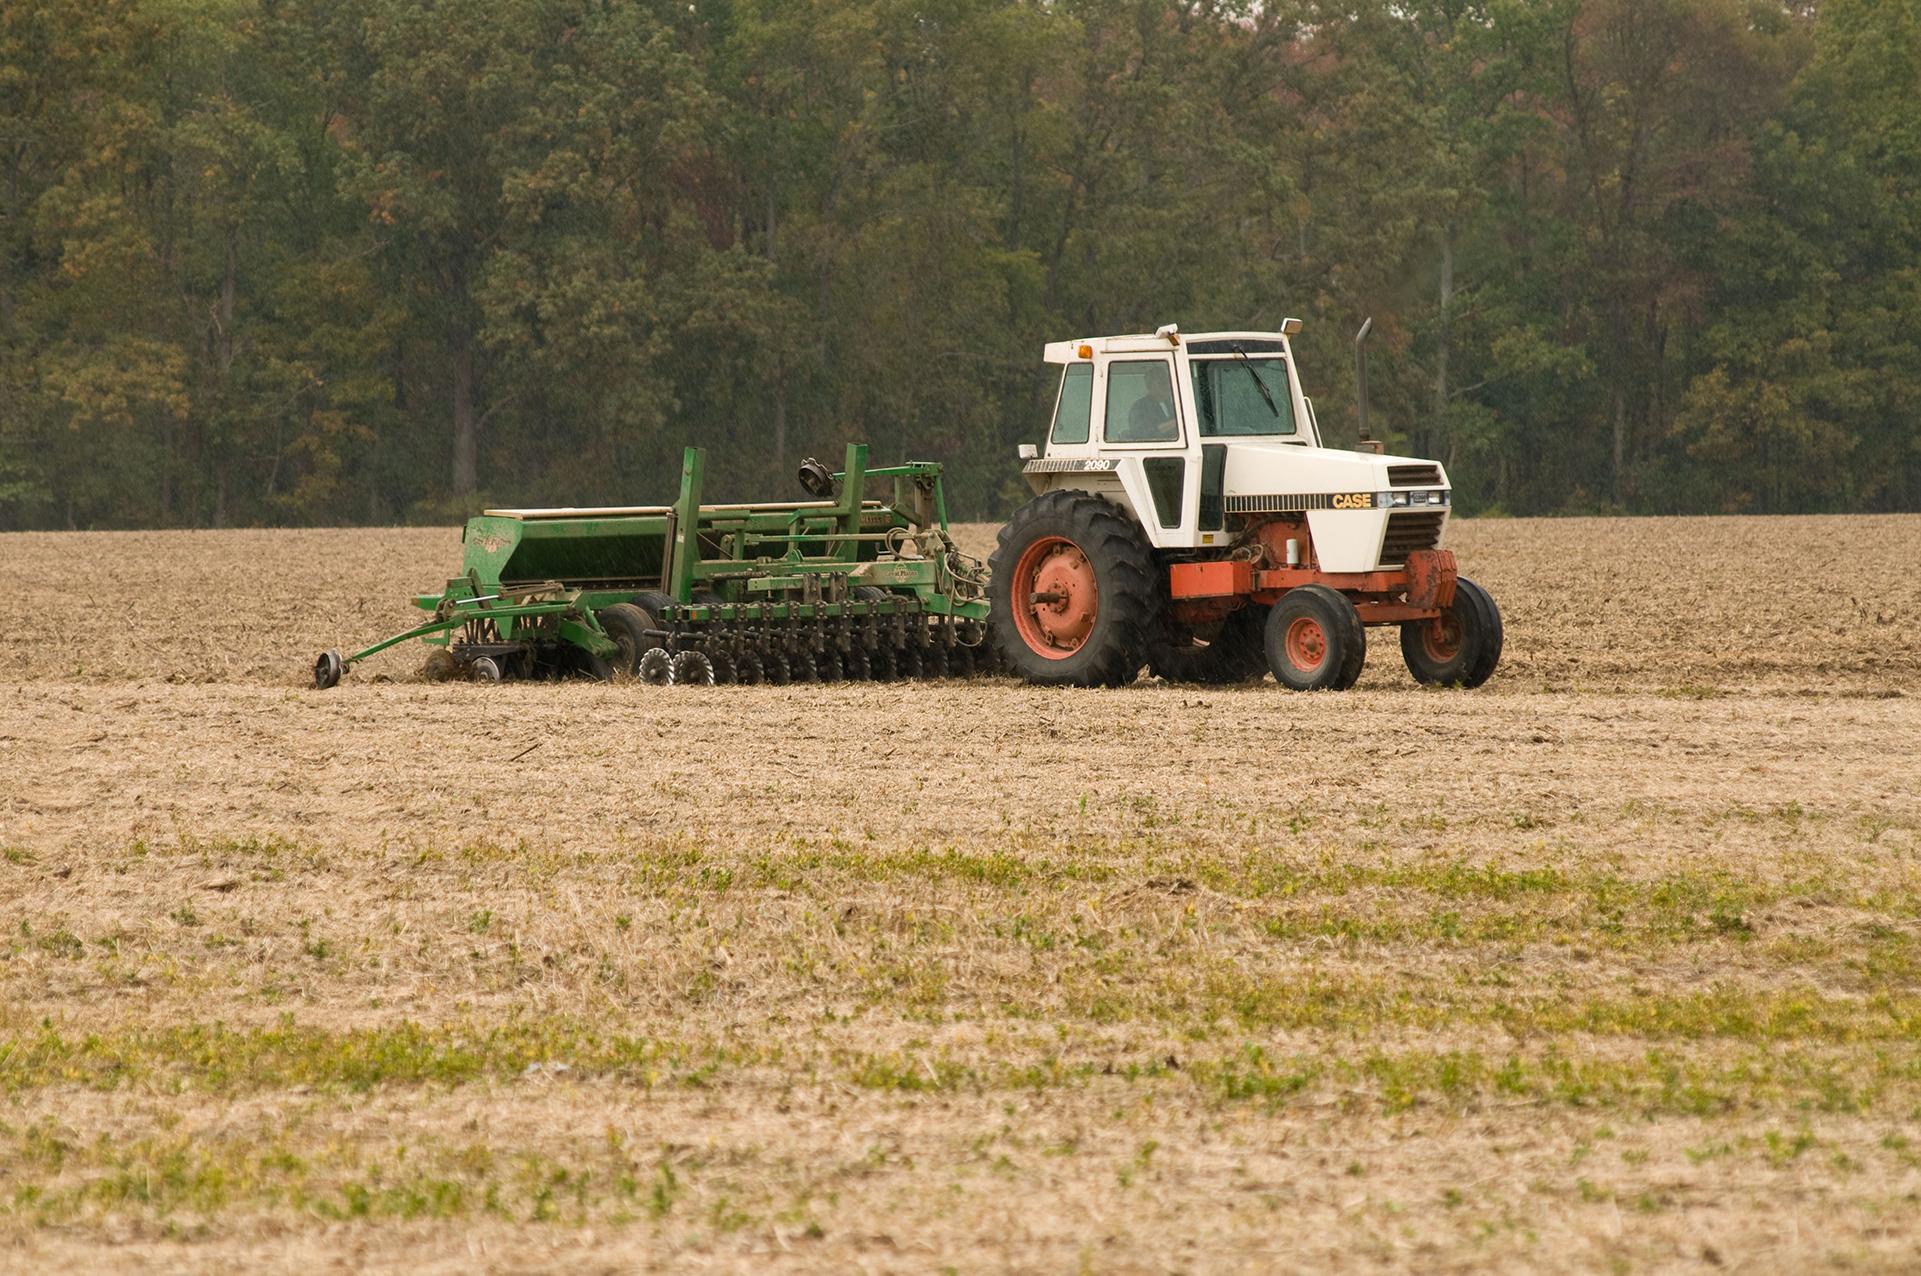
x=1242, y=396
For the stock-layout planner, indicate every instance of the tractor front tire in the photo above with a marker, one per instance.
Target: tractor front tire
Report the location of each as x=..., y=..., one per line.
x=1072, y=592
x=1315, y=640
x=1461, y=647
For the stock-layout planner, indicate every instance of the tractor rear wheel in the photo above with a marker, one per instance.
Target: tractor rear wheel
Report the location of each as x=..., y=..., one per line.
x=1314, y=640
x=1072, y=590
x=1235, y=654
x=1461, y=647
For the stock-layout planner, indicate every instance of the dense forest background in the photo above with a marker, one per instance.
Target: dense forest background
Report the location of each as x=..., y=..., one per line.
x=334, y=261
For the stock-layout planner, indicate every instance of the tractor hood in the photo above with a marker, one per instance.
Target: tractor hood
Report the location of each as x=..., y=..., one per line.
x=1287, y=469
x=1363, y=511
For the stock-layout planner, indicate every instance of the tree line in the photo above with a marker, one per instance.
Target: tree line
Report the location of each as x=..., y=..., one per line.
x=360, y=261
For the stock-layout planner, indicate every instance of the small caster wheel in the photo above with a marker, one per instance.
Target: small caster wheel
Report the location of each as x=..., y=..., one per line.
x=692, y=669
x=327, y=670
x=485, y=669
x=656, y=667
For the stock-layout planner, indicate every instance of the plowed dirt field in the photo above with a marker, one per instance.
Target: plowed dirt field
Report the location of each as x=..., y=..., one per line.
x=1614, y=964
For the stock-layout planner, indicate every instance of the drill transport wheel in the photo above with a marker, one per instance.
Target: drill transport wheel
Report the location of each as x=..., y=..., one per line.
x=627, y=625
x=485, y=669
x=327, y=670
x=440, y=666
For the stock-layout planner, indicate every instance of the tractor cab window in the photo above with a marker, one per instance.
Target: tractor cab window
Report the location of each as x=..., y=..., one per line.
x=1076, y=404
x=1140, y=402
x=1239, y=397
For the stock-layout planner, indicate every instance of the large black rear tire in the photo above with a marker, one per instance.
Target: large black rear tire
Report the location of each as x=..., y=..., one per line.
x=1084, y=604
x=1234, y=655
x=1462, y=648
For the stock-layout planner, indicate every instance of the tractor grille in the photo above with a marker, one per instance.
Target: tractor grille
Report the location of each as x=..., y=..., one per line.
x=1281, y=503
x=1409, y=532
x=1413, y=476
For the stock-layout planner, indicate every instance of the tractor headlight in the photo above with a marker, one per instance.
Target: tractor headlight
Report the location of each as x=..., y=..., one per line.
x=1392, y=499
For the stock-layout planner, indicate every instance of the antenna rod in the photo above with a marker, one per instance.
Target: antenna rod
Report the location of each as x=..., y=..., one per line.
x=1360, y=374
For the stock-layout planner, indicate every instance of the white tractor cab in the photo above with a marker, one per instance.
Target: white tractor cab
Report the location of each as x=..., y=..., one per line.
x=1187, y=517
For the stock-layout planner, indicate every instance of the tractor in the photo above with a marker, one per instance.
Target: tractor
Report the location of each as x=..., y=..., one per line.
x=1188, y=518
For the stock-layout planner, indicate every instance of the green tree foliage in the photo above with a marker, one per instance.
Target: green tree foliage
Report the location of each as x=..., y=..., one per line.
x=289, y=261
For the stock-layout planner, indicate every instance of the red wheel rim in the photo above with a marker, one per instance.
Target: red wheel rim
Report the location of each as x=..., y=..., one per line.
x=1054, y=597
x=1306, y=644
x=1441, y=638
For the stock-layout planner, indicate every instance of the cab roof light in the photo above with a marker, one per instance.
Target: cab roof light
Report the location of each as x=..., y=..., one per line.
x=1171, y=331
x=1086, y=351
x=1290, y=326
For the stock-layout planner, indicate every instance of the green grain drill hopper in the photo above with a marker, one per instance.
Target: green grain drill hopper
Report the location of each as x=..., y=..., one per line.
x=861, y=582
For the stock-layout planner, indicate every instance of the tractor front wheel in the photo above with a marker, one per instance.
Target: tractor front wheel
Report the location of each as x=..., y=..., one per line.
x=1459, y=648
x=1072, y=590
x=1314, y=640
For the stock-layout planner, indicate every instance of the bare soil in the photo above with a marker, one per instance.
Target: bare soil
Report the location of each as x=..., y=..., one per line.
x=1610, y=965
